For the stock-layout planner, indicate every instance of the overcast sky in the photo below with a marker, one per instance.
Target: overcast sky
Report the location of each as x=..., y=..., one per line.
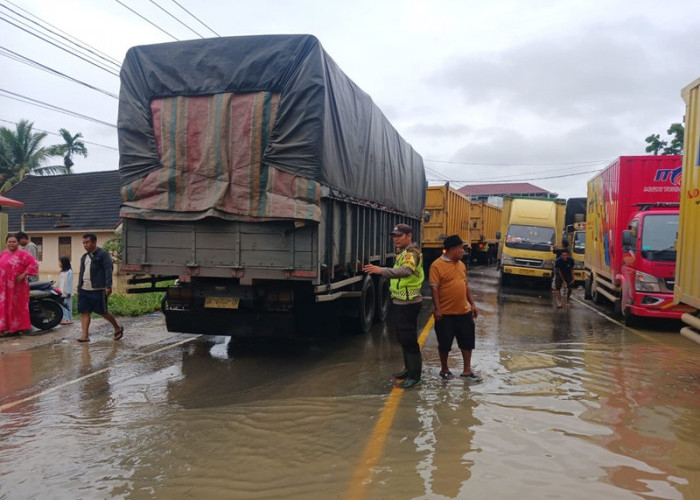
x=546, y=92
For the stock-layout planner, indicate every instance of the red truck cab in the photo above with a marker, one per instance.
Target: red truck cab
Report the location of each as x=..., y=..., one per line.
x=648, y=263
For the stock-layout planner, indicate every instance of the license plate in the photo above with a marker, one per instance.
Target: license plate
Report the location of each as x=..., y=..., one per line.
x=528, y=271
x=221, y=302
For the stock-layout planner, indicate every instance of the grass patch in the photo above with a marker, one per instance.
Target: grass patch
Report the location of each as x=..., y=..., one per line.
x=130, y=304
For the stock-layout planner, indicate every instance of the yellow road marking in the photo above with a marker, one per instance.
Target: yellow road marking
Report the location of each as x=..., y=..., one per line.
x=375, y=445
x=89, y=375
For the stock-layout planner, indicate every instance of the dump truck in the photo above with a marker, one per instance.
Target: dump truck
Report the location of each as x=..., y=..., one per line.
x=686, y=289
x=260, y=178
x=575, y=234
x=530, y=228
x=447, y=212
x=631, y=228
x=484, y=224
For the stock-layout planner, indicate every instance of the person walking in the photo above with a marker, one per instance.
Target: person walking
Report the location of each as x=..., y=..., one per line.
x=94, y=286
x=65, y=284
x=26, y=244
x=406, y=280
x=16, y=265
x=564, y=274
x=454, y=307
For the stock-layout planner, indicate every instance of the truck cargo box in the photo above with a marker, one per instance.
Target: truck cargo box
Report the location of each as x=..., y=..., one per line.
x=250, y=128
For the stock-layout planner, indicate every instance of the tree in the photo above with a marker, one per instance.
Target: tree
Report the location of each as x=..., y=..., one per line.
x=21, y=153
x=73, y=146
x=657, y=146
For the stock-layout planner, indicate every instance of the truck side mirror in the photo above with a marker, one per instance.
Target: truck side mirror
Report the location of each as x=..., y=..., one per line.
x=628, y=240
x=498, y=235
x=426, y=216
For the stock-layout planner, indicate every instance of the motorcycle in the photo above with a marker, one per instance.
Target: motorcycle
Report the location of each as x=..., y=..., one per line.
x=45, y=305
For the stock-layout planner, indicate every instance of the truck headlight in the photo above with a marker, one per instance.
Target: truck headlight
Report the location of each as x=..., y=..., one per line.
x=644, y=282
x=579, y=265
x=548, y=264
x=507, y=260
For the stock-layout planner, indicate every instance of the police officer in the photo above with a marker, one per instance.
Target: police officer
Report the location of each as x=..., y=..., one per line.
x=406, y=281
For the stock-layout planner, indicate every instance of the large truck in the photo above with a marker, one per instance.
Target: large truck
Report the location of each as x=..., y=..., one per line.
x=448, y=212
x=687, y=285
x=484, y=224
x=530, y=228
x=631, y=228
x=575, y=234
x=261, y=178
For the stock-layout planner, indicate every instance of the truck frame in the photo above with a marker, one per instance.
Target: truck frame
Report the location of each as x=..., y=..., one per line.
x=260, y=178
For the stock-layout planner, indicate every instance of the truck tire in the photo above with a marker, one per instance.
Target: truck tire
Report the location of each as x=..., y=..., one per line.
x=383, y=300
x=505, y=279
x=598, y=298
x=624, y=314
x=587, y=285
x=366, y=305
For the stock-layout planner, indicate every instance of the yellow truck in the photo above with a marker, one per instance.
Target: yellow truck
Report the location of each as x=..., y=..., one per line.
x=447, y=212
x=484, y=224
x=686, y=289
x=575, y=233
x=530, y=227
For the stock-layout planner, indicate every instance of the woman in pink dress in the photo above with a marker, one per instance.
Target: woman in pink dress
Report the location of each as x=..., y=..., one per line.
x=15, y=265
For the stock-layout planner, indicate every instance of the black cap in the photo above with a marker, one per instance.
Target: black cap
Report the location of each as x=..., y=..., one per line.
x=452, y=241
x=400, y=229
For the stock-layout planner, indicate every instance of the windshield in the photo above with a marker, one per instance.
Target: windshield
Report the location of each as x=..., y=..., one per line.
x=580, y=242
x=659, y=237
x=530, y=237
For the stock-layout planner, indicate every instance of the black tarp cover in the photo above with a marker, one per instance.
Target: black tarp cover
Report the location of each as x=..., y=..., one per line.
x=326, y=128
x=574, y=206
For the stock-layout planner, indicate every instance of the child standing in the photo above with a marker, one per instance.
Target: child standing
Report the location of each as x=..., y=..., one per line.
x=65, y=284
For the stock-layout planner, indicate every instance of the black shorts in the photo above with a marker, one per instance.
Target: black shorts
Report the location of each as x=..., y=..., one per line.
x=558, y=282
x=92, y=301
x=459, y=326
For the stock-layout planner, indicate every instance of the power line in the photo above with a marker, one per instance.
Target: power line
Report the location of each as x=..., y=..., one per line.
x=522, y=180
x=200, y=21
x=176, y=18
x=145, y=19
x=51, y=42
x=45, y=105
x=31, y=62
x=517, y=164
x=59, y=135
x=63, y=34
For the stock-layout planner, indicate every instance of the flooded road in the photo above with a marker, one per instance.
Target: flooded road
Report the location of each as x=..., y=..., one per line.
x=572, y=405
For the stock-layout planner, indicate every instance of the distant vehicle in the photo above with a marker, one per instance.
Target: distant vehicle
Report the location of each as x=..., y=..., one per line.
x=687, y=286
x=530, y=228
x=262, y=178
x=448, y=212
x=575, y=233
x=631, y=228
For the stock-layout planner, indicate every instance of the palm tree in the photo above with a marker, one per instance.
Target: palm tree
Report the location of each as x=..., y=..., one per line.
x=73, y=146
x=22, y=153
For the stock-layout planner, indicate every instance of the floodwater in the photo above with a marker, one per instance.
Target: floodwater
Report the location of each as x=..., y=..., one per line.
x=572, y=406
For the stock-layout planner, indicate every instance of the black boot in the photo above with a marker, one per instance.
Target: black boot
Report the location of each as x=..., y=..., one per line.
x=414, y=367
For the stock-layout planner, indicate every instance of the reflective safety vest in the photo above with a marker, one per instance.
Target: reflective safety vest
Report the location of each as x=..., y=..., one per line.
x=408, y=287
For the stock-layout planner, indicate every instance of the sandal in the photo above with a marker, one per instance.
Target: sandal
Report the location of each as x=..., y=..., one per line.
x=119, y=333
x=448, y=375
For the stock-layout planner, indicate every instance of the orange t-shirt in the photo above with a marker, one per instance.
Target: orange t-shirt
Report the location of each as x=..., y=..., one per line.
x=451, y=280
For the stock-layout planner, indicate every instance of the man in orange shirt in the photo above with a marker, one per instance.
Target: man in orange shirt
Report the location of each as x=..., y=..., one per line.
x=455, y=309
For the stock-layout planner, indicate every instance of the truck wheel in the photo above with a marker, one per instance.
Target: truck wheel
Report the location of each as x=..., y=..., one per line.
x=624, y=313
x=505, y=279
x=587, y=285
x=366, y=306
x=383, y=300
x=598, y=298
